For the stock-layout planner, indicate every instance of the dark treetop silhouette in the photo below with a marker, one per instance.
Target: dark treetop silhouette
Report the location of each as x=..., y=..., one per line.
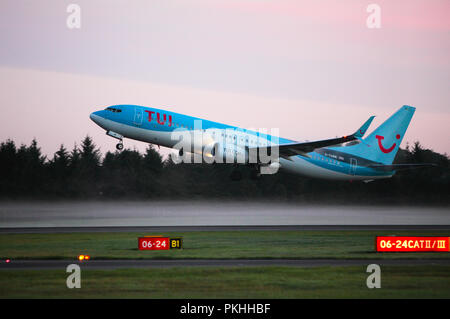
x=83, y=173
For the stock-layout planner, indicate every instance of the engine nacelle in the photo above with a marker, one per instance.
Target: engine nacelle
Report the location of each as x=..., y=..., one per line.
x=231, y=153
x=216, y=152
x=225, y=153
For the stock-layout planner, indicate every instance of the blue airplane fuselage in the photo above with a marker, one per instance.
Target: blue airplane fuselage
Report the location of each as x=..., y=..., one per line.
x=156, y=126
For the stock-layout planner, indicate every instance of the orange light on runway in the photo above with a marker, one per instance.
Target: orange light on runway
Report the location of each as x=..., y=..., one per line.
x=83, y=257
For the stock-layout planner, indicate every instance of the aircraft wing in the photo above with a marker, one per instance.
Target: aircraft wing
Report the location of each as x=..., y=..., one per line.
x=287, y=150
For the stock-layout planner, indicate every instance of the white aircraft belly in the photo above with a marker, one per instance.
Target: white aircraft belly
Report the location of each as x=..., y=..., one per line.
x=300, y=166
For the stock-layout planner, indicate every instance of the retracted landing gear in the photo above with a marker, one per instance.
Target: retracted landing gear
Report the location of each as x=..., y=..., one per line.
x=255, y=172
x=236, y=175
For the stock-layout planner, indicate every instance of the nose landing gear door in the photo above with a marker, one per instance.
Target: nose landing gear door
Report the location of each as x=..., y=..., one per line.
x=138, y=116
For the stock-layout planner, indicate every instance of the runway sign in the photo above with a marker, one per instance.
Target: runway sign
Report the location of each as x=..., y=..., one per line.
x=412, y=244
x=159, y=243
x=176, y=242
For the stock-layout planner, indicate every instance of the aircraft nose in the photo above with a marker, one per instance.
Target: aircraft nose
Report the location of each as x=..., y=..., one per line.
x=95, y=117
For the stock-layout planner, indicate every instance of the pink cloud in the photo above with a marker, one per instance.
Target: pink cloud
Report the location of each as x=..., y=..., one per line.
x=54, y=107
x=404, y=14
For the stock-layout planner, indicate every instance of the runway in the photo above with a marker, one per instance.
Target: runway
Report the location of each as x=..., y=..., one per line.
x=180, y=229
x=118, y=264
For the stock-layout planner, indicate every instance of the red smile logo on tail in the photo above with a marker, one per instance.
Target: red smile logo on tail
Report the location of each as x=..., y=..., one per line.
x=386, y=150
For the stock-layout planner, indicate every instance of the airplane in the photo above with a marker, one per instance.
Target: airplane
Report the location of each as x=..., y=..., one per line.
x=350, y=157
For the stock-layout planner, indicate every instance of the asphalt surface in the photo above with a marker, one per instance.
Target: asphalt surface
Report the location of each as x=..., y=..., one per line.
x=144, y=229
x=117, y=264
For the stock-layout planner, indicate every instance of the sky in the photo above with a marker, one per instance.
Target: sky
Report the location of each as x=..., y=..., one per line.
x=312, y=69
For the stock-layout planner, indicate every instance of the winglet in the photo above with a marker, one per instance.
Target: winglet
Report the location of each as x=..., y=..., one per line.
x=363, y=129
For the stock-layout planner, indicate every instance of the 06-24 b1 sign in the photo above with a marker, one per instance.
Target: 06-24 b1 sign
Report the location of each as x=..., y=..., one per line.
x=159, y=243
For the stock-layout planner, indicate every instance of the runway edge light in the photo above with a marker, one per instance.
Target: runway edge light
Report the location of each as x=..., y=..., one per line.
x=83, y=257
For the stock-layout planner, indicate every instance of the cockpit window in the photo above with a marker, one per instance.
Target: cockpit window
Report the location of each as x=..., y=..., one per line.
x=112, y=109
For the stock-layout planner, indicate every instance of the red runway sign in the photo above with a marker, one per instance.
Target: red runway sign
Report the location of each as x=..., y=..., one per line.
x=412, y=243
x=159, y=243
x=153, y=243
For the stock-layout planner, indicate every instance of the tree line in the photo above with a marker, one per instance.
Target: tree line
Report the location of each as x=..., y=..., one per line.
x=83, y=173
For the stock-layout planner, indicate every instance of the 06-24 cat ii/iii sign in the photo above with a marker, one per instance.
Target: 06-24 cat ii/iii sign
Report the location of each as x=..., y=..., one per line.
x=412, y=244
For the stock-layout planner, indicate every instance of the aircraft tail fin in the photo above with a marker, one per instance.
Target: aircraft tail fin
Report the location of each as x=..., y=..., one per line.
x=383, y=143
